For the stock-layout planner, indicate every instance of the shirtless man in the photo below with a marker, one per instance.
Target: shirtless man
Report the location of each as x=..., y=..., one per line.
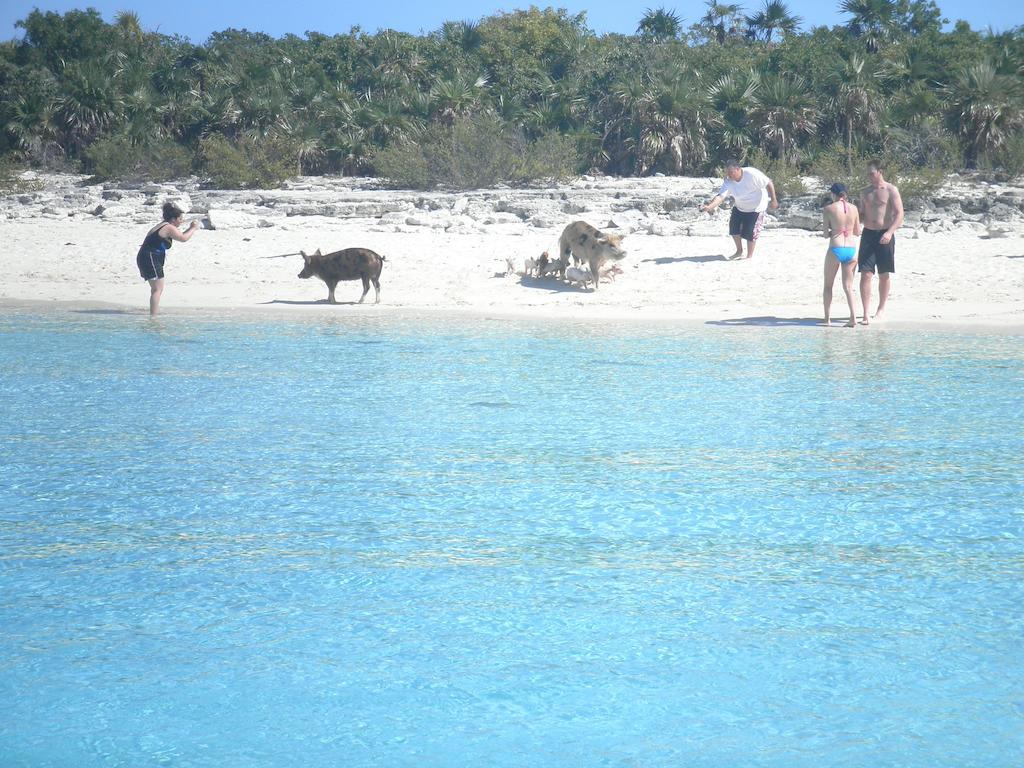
x=841, y=223
x=881, y=211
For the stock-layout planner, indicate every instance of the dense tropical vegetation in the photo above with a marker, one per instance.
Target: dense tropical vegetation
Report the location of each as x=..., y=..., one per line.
x=515, y=96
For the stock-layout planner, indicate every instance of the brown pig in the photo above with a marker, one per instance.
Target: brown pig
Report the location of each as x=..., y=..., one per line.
x=347, y=264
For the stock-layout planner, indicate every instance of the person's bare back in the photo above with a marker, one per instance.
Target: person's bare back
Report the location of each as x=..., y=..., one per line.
x=842, y=223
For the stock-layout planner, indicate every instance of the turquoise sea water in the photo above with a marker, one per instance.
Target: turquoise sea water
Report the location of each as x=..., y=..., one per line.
x=331, y=542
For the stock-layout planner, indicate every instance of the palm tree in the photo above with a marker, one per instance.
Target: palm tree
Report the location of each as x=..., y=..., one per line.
x=720, y=20
x=661, y=123
x=773, y=17
x=389, y=120
x=787, y=111
x=129, y=26
x=559, y=108
x=396, y=61
x=344, y=124
x=90, y=101
x=985, y=107
x=909, y=78
x=33, y=123
x=873, y=20
x=622, y=109
x=732, y=97
x=263, y=107
x=854, y=100
x=465, y=35
x=352, y=151
x=455, y=96
x=1009, y=56
x=680, y=120
x=660, y=25
x=142, y=117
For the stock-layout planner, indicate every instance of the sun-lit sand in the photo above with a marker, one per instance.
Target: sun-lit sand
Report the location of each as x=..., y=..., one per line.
x=676, y=267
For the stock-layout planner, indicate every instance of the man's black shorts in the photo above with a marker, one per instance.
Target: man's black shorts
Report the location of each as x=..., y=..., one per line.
x=746, y=225
x=873, y=254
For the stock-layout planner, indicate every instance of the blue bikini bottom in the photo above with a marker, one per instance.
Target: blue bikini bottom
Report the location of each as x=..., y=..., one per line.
x=844, y=253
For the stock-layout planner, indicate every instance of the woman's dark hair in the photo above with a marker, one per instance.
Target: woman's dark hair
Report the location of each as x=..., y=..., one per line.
x=172, y=211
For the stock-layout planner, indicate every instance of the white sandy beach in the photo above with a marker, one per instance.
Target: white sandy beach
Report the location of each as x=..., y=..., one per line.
x=447, y=253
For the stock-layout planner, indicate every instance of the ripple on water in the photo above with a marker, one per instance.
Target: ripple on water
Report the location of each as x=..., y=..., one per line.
x=379, y=544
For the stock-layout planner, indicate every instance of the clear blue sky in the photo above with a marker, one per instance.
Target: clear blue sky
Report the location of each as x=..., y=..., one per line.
x=196, y=20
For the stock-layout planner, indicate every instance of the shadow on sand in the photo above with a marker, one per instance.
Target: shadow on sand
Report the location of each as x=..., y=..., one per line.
x=551, y=284
x=769, y=321
x=674, y=259
x=324, y=302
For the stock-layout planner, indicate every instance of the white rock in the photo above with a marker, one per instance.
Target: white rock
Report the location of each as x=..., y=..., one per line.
x=542, y=221
x=224, y=219
x=502, y=218
x=802, y=219
x=661, y=229
x=116, y=212
x=461, y=222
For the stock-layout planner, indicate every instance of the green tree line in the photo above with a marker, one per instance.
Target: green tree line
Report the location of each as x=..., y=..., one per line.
x=533, y=93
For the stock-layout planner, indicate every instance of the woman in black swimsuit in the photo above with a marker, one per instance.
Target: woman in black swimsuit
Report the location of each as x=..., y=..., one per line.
x=154, y=249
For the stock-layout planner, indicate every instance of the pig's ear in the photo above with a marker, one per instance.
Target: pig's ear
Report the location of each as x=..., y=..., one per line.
x=305, y=256
x=318, y=253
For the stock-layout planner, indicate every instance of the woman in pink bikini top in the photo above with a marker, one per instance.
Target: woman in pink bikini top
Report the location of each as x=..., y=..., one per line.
x=842, y=226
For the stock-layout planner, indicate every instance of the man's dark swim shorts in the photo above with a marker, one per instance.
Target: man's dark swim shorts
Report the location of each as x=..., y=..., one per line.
x=874, y=255
x=746, y=225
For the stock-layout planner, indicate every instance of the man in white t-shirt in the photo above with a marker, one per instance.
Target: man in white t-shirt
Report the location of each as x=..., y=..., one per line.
x=753, y=193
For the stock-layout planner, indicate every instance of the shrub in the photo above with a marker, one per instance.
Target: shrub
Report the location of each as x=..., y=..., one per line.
x=250, y=163
x=926, y=144
x=1009, y=158
x=830, y=166
x=475, y=152
x=916, y=182
x=404, y=165
x=10, y=183
x=552, y=156
x=116, y=157
x=785, y=176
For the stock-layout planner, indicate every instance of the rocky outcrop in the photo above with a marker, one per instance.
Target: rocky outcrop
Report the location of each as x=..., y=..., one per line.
x=660, y=206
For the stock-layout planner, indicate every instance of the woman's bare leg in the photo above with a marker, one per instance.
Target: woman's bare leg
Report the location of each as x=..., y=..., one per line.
x=848, y=290
x=831, y=267
x=156, y=290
